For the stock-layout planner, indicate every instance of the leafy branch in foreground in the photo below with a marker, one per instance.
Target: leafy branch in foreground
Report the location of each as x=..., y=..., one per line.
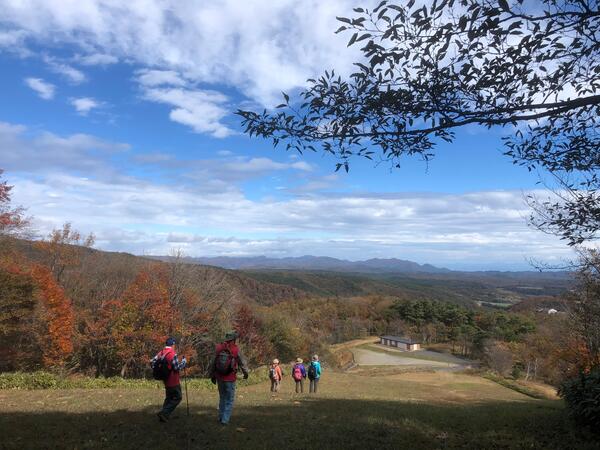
x=426, y=71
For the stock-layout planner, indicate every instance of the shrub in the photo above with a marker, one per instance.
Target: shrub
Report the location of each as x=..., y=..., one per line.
x=31, y=380
x=47, y=380
x=582, y=396
x=514, y=385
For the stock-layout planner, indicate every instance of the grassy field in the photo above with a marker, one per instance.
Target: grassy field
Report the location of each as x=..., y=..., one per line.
x=410, y=411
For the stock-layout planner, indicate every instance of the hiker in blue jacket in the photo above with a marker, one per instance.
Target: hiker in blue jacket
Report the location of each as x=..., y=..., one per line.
x=299, y=374
x=314, y=373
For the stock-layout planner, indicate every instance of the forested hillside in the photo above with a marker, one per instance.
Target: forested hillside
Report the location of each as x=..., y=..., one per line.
x=488, y=289
x=71, y=307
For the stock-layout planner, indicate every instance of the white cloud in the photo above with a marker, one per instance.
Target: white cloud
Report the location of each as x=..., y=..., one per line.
x=23, y=151
x=318, y=184
x=479, y=231
x=84, y=105
x=45, y=90
x=151, y=78
x=153, y=158
x=226, y=171
x=202, y=110
x=96, y=59
x=72, y=74
x=260, y=165
x=12, y=40
x=261, y=47
x=202, y=207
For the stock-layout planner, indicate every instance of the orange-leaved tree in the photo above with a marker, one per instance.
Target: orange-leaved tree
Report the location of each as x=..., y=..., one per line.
x=256, y=345
x=58, y=317
x=139, y=322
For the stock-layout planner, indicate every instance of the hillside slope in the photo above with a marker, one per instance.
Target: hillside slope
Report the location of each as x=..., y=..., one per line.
x=403, y=411
x=102, y=276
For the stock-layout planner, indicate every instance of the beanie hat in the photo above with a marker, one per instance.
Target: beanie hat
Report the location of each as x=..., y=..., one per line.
x=231, y=335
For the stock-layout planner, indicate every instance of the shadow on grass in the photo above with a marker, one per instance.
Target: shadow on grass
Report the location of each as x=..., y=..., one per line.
x=309, y=423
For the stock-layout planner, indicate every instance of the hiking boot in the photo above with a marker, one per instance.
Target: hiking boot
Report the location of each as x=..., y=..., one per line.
x=162, y=417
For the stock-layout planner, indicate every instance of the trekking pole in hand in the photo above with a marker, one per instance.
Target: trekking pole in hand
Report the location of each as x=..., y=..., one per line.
x=187, y=400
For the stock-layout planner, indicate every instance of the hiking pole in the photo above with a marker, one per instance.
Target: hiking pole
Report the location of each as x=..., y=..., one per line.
x=187, y=400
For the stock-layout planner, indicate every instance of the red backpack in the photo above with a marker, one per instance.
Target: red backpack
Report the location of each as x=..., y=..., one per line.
x=225, y=362
x=297, y=373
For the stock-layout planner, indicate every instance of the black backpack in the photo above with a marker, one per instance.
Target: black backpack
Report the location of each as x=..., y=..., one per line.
x=160, y=369
x=312, y=371
x=224, y=362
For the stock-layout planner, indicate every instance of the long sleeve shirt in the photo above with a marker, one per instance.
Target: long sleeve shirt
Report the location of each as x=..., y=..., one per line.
x=174, y=364
x=317, y=365
x=302, y=369
x=240, y=362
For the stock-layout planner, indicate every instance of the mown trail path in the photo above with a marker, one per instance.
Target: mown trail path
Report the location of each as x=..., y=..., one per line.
x=353, y=410
x=367, y=357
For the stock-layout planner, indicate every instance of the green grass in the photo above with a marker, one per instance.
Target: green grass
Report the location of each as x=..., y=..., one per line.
x=511, y=384
x=47, y=380
x=411, y=411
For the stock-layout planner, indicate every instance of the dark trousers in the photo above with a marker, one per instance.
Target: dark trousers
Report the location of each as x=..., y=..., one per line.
x=172, y=399
x=313, y=385
x=299, y=386
x=275, y=385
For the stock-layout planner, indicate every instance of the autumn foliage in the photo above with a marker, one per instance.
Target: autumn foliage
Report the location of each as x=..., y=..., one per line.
x=37, y=320
x=140, y=321
x=67, y=307
x=58, y=316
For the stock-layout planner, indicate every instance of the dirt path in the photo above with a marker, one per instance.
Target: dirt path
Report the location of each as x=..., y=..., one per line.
x=365, y=357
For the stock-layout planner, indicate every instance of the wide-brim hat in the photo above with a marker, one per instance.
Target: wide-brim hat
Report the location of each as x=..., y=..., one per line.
x=275, y=361
x=299, y=360
x=231, y=335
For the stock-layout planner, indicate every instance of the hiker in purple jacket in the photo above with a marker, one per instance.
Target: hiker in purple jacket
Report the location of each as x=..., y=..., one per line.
x=299, y=374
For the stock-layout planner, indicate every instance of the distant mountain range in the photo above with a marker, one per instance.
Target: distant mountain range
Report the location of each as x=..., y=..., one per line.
x=376, y=265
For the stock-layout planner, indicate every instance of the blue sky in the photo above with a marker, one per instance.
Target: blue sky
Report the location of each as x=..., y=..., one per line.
x=119, y=118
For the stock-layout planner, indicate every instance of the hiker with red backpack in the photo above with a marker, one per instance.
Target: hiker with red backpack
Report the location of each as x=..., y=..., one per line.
x=228, y=360
x=166, y=366
x=299, y=375
x=275, y=375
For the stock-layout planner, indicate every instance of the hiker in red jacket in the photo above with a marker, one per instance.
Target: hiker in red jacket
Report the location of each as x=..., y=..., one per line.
x=228, y=360
x=172, y=387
